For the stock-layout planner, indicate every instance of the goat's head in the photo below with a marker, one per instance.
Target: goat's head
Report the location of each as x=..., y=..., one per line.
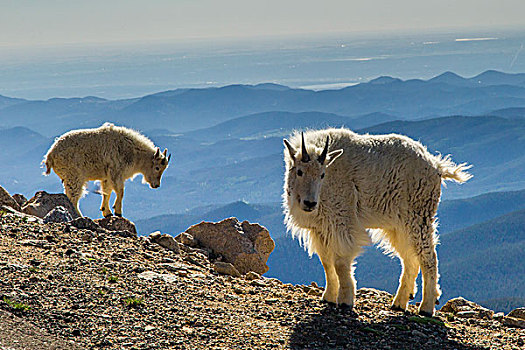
x=305, y=174
x=159, y=163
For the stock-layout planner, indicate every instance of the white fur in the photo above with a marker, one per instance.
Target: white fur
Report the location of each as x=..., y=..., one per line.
x=389, y=185
x=110, y=154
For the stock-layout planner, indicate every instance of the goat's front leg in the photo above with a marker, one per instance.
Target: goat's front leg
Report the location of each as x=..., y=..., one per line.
x=117, y=206
x=347, y=283
x=332, y=284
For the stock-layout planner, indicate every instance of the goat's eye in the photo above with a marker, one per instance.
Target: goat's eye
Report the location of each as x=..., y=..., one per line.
x=299, y=172
x=157, y=168
x=322, y=176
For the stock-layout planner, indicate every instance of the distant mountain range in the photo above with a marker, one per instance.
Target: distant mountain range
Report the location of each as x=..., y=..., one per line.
x=189, y=109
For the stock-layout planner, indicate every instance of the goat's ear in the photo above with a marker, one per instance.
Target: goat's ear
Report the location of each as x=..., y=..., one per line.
x=157, y=153
x=291, y=150
x=332, y=156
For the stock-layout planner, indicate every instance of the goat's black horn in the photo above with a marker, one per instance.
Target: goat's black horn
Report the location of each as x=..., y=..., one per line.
x=169, y=157
x=305, y=157
x=322, y=157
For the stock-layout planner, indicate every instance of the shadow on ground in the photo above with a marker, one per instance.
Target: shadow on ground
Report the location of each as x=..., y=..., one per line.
x=334, y=328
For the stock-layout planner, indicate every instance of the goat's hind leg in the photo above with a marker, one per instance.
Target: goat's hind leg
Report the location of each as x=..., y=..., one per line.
x=74, y=189
x=410, y=269
x=425, y=245
x=106, y=189
x=429, y=270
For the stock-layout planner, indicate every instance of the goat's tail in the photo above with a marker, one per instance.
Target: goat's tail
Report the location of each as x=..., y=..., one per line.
x=47, y=162
x=452, y=171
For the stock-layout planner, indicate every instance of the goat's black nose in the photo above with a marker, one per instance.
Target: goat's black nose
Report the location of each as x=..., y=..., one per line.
x=310, y=204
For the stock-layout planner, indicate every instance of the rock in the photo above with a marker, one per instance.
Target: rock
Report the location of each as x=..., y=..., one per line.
x=467, y=309
x=498, y=316
x=485, y=313
x=20, y=199
x=40, y=243
x=58, y=214
x=154, y=236
x=165, y=241
x=43, y=202
x=260, y=237
x=467, y=314
x=117, y=223
x=187, y=239
x=247, y=246
x=315, y=292
x=258, y=283
x=513, y=322
x=518, y=313
x=151, y=275
x=250, y=276
x=6, y=199
x=417, y=333
x=13, y=212
x=459, y=304
x=225, y=268
x=86, y=224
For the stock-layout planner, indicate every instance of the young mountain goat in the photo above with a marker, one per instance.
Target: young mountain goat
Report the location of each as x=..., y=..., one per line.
x=388, y=183
x=111, y=154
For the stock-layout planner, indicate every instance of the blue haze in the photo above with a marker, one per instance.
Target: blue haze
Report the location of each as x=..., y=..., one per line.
x=123, y=71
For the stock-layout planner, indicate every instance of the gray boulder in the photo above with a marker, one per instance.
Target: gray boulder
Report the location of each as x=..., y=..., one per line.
x=246, y=246
x=58, y=214
x=42, y=203
x=20, y=199
x=518, y=313
x=7, y=200
x=86, y=223
x=165, y=240
x=467, y=309
x=225, y=268
x=117, y=223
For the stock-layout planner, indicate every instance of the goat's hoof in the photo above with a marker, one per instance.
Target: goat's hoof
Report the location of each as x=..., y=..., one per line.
x=346, y=307
x=331, y=303
x=108, y=215
x=396, y=308
x=437, y=301
x=425, y=314
x=411, y=297
x=118, y=214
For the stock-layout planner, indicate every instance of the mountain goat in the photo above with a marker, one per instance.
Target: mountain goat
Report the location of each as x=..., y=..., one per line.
x=389, y=184
x=111, y=154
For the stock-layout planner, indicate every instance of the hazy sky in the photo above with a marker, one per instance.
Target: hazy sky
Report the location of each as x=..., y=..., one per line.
x=32, y=22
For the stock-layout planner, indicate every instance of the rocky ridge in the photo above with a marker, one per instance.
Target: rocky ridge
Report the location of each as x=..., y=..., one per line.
x=88, y=284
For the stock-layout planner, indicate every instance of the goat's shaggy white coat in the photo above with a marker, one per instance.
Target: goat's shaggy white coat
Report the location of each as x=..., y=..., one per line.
x=388, y=184
x=111, y=154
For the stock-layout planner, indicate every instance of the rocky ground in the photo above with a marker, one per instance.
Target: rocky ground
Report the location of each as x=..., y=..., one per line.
x=68, y=288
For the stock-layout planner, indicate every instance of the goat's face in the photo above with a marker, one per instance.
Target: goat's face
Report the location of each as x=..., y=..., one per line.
x=305, y=175
x=159, y=163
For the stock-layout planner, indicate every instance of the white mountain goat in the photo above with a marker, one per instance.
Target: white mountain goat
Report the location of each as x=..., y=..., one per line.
x=388, y=183
x=111, y=154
